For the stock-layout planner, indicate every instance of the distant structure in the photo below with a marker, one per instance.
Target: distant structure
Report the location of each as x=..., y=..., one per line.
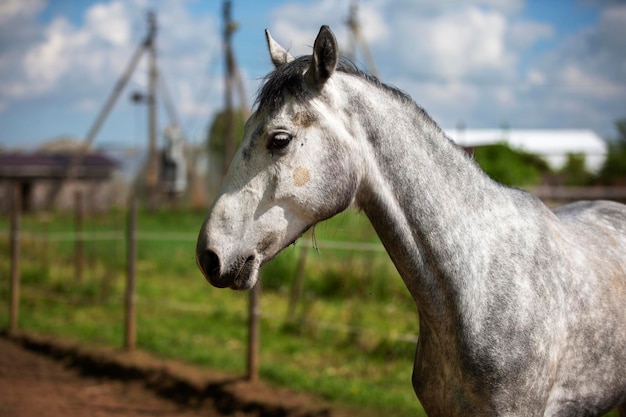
x=551, y=144
x=42, y=176
x=173, y=161
x=153, y=189
x=358, y=40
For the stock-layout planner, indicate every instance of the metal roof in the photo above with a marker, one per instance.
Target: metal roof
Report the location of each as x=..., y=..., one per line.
x=552, y=144
x=54, y=166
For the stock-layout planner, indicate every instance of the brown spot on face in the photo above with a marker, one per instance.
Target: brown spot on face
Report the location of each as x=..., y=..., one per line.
x=301, y=176
x=303, y=119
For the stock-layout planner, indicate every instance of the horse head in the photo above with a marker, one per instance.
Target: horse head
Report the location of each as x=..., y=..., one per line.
x=294, y=168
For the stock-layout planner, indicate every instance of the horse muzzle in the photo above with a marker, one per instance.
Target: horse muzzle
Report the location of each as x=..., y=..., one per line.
x=241, y=275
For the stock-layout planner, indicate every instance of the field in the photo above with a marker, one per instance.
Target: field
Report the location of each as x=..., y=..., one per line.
x=350, y=336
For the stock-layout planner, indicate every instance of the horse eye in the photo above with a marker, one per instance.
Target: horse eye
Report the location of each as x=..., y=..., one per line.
x=279, y=141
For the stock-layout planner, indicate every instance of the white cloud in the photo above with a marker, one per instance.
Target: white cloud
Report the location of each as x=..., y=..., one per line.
x=584, y=77
x=471, y=40
x=12, y=10
x=82, y=61
x=574, y=78
x=470, y=60
x=426, y=7
x=295, y=24
x=475, y=61
x=524, y=34
x=109, y=22
x=64, y=55
x=49, y=60
x=535, y=78
x=465, y=43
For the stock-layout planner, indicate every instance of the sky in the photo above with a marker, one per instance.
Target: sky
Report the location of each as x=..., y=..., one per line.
x=525, y=64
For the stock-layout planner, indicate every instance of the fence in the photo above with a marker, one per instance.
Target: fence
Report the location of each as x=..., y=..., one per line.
x=564, y=194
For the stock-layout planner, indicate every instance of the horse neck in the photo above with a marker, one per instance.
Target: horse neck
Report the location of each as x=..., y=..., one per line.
x=425, y=198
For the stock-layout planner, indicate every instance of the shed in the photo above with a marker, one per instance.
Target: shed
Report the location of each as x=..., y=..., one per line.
x=43, y=179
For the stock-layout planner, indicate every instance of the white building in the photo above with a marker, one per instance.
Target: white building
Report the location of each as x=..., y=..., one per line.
x=551, y=144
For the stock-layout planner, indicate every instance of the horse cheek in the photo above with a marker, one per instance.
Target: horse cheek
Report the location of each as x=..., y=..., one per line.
x=338, y=186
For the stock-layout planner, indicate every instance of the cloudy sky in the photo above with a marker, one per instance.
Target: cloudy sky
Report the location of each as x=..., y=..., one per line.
x=483, y=63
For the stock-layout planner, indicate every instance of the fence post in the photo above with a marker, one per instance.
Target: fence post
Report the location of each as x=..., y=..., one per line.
x=14, y=307
x=296, y=289
x=79, y=258
x=131, y=245
x=253, y=332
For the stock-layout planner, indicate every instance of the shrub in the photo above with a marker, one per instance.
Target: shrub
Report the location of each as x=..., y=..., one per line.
x=510, y=167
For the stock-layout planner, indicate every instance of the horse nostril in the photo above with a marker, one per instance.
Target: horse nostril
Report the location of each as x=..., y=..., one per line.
x=209, y=263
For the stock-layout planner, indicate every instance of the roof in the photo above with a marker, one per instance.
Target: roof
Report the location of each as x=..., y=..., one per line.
x=552, y=144
x=54, y=166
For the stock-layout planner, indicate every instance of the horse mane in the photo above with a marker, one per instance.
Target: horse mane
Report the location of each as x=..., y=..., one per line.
x=289, y=78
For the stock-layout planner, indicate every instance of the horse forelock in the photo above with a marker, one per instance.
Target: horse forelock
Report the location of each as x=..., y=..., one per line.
x=289, y=80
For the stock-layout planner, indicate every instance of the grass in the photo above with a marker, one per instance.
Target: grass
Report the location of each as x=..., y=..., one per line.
x=180, y=316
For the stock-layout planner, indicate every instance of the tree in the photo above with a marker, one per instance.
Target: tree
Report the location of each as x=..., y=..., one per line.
x=575, y=171
x=217, y=132
x=613, y=171
x=510, y=167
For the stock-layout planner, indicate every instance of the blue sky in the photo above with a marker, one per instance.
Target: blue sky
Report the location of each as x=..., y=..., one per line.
x=485, y=63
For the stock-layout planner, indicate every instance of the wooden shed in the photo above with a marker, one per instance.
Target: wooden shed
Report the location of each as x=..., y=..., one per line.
x=44, y=185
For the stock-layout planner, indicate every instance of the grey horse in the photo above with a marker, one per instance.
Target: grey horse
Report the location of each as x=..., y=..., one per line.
x=522, y=310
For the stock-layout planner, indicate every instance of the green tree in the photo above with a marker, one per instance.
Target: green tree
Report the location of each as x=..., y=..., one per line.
x=216, y=138
x=509, y=166
x=575, y=170
x=613, y=171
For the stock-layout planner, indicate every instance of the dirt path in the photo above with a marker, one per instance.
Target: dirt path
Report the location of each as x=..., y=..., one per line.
x=33, y=385
x=53, y=377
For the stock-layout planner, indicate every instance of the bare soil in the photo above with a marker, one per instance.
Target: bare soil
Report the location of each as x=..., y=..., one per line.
x=32, y=385
x=44, y=376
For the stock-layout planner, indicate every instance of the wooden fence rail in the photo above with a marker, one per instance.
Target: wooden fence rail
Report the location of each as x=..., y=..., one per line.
x=565, y=194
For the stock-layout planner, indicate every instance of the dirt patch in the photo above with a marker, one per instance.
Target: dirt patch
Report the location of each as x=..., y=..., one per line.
x=32, y=385
x=74, y=380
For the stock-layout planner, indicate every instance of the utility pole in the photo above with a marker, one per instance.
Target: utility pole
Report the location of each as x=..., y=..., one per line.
x=357, y=38
x=152, y=166
x=229, y=139
x=232, y=80
x=147, y=45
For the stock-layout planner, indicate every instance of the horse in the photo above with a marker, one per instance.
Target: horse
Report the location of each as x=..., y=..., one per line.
x=522, y=310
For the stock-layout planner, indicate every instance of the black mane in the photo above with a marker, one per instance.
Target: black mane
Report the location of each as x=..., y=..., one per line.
x=289, y=79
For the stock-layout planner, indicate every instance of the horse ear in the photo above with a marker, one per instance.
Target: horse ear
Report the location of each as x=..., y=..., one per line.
x=279, y=55
x=324, y=59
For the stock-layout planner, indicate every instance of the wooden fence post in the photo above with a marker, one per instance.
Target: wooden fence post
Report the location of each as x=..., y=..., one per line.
x=131, y=245
x=253, y=332
x=14, y=306
x=296, y=289
x=79, y=257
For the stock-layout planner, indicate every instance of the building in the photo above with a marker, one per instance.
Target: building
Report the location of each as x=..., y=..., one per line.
x=42, y=178
x=552, y=144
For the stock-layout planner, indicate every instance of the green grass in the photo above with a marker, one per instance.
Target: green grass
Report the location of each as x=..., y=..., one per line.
x=180, y=316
